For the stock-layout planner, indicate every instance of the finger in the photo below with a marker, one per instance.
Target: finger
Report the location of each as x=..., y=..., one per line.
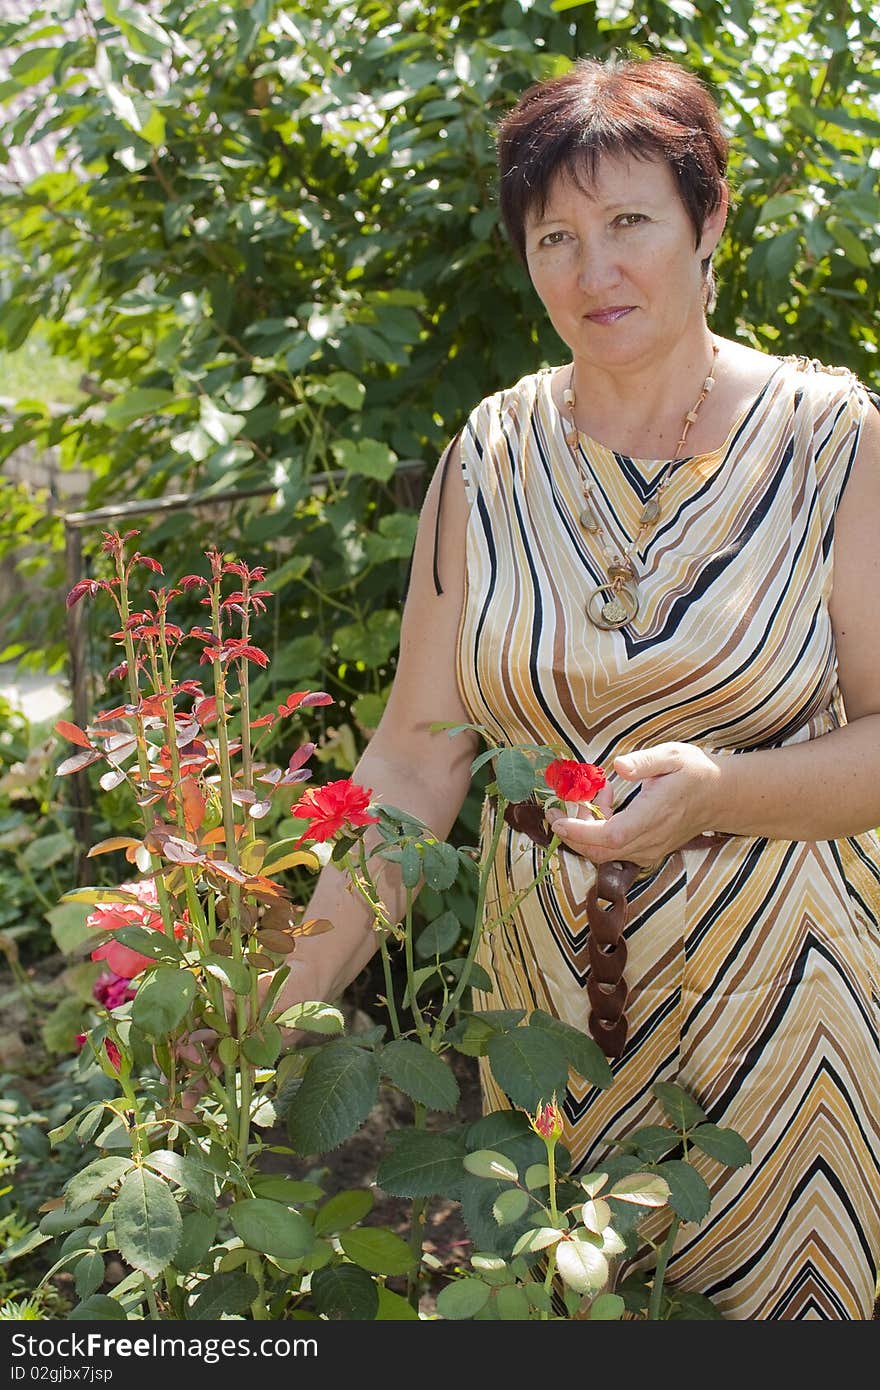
x=648, y=762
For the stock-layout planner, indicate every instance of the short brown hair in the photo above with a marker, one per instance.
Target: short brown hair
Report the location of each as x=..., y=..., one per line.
x=647, y=108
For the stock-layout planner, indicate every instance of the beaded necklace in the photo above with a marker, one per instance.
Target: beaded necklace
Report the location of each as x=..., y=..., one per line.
x=616, y=603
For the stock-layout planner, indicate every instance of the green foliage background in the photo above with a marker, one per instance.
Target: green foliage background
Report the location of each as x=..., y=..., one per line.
x=274, y=251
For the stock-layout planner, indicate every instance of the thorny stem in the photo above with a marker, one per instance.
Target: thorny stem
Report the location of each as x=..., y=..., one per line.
x=241, y=1004
x=389, y=987
x=192, y=898
x=140, y=735
x=422, y=1028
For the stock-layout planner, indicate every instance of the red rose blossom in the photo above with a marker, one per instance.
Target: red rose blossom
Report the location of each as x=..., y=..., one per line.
x=333, y=807
x=573, y=781
x=122, y=960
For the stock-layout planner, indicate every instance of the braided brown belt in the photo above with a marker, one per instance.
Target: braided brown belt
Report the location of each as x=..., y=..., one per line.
x=607, y=989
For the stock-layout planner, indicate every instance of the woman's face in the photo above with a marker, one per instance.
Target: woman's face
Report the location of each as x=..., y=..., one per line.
x=616, y=268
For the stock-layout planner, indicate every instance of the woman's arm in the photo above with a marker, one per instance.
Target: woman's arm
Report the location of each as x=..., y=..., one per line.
x=404, y=764
x=820, y=790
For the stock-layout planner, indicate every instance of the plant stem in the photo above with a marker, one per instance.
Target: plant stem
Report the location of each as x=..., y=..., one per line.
x=551, y=1164
x=662, y=1261
x=548, y=1280
x=487, y=869
x=141, y=737
x=418, y=1211
x=389, y=987
x=422, y=1028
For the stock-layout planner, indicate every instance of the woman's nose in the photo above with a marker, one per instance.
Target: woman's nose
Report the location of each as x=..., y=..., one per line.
x=597, y=268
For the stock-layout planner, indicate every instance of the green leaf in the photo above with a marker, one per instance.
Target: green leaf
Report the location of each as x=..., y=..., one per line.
x=410, y=865
x=514, y=774
x=342, y=1210
x=463, y=1299
x=371, y=642
x=537, y=1176
x=47, y=850
x=338, y=1092
x=188, y=1173
x=68, y=925
x=154, y=944
x=138, y=403
x=367, y=457
x=263, y=1045
x=232, y=974
x=850, y=241
x=147, y=1221
x=222, y=1295
x=724, y=1144
x=96, y=1178
x=287, y=1190
x=271, y=1228
x=420, y=1074
x=582, y=1267
x=510, y=1206
x=488, y=1163
x=99, y=1307
x=346, y=388
x=583, y=1054
x=692, y=1307
x=88, y=1274
x=345, y=1292
x=196, y=1239
x=538, y=1239
x=394, y=1308
x=62, y=1219
x=678, y=1105
x=421, y=1165
x=644, y=1189
x=34, y=64
x=650, y=1142
x=162, y=1001
x=512, y=1304
x=529, y=1064
x=440, y=866
x=608, y=1307
x=378, y=1250
x=314, y=1016
x=438, y=936
x=689, y=1195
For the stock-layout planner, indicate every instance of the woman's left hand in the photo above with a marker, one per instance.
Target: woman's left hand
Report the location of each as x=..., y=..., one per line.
x=680, y=798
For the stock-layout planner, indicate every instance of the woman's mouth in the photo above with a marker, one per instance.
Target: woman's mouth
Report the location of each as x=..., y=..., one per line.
x=610, y=315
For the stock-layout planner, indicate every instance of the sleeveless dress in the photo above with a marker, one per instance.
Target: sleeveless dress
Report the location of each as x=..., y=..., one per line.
x=754, y=963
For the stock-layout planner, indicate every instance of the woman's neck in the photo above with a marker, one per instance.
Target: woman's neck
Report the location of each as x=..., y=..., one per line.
x=640, y=409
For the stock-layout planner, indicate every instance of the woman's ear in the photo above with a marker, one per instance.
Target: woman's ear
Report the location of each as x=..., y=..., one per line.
x=714, y=225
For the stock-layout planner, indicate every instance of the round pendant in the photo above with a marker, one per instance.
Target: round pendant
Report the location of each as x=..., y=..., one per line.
x=608, y=607
x=588, y=518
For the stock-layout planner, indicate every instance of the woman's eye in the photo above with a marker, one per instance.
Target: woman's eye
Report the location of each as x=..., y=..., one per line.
x=630, y=219
x=553, y=239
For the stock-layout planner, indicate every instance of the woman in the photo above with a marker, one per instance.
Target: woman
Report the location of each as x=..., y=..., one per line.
x=659, y=555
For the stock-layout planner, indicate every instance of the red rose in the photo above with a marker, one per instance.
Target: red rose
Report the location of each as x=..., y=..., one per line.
x=573, y=781
x=336, y=806
x=122, y=960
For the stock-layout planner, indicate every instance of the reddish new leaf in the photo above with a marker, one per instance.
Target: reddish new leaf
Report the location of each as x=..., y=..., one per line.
x=73, y=733
x=78, y=762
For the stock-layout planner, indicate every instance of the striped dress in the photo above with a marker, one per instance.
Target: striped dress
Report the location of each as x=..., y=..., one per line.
x=754, y=963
